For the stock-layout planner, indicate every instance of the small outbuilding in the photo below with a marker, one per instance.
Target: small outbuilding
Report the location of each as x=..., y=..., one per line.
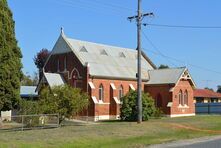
x=206, y=96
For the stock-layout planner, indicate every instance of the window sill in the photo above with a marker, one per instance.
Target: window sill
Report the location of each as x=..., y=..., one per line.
x=101, y=102
x=183, y=106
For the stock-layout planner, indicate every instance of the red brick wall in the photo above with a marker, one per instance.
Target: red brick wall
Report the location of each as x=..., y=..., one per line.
x=111, y=108
x=106, y=84
x=183, y=85
x=163, y=90
x=167, y=96
x=72, y=63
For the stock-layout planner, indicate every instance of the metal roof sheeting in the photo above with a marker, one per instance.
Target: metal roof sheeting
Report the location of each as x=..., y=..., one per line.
x=165, y=76
x=54, y=79
x=28, y=91
x=110, y=64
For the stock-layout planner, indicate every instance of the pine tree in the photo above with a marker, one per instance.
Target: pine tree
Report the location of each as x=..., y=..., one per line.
x=10, y=60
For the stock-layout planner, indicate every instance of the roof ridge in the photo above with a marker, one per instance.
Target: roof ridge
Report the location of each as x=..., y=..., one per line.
x=168, y=68
x=102, y=44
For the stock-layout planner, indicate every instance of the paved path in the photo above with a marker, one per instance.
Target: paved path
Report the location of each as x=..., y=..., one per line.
x=205, y=142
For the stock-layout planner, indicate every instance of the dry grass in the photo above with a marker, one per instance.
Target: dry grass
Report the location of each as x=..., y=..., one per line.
x=115, y=134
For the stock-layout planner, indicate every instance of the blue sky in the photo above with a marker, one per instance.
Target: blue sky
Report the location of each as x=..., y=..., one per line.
x=38, y=26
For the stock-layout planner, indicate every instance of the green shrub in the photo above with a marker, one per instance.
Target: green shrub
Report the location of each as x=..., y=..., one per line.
x=129, y=107
x=158, y=113
x=65, y=100
x=28, y=107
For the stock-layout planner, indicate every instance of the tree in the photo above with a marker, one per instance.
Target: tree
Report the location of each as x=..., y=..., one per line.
x=35, y=79
x=129, y=109
x=27, y=80
x=40, y=59
x=219, y=88
x=209, y=88
x=10, y=60
x=163, y=66
x=65, y=100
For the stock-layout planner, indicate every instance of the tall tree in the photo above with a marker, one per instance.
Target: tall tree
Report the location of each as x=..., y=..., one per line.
x=163, y=66
x=10, y=60
x=28, y=80
x=219, y=88
x=40, y=59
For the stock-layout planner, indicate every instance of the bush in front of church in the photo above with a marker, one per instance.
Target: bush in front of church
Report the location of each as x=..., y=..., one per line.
x=128, y=111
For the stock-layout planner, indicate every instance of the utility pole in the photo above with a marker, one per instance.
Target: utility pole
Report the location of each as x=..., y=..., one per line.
x=138, y=19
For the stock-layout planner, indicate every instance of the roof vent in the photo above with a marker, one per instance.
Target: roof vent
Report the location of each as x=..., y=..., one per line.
x=83, y=49
x=122, y=55
x=103, y=52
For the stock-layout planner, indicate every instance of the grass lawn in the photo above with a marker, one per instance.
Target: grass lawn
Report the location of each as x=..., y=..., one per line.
x=115, y=134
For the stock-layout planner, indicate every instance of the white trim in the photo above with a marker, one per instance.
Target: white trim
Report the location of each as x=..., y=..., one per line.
x=181, y=115
x=169, y=104
x=94, y=99
x=91, y=85
x=117, y=116
x=101, y=102
x=183, y=106
x=101, y=117
x=113, y=86
x=116, y=100
x=171, y=89
x=78, y=74
x=131, y=86
x=190, y=78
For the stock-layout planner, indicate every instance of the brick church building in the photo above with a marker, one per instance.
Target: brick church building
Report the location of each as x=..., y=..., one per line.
x=107, y=73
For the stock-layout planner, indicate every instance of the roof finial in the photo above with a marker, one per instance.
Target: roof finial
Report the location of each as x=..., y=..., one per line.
x=62, y=31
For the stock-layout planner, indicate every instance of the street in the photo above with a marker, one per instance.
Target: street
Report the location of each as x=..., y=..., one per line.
x=206, y=142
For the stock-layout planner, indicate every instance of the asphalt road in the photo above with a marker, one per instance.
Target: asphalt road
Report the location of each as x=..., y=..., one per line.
x=206, y=142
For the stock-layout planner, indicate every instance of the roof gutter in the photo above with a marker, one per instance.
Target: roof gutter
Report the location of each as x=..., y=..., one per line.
x=115, y=78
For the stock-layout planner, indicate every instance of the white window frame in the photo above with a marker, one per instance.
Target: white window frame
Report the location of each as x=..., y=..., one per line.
x=121, y=92
x=101, y=92
x=58, y=66
x=65, y=63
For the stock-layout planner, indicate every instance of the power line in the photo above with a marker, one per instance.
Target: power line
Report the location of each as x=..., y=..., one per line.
x=114, y=5
x=181, y=61
x=182, y=26
x=90, y=8
x=156, y=48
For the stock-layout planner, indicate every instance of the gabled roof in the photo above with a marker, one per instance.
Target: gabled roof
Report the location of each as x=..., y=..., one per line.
x=28, y=91
x=205, y=93
x=104, y=60
x=168, y=76
x=54, y=79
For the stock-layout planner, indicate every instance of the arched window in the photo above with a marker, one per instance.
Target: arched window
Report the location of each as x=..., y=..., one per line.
x=159, y=101
x=180, y=97
x=101, y=92
x=58, y=66
x=185, y=96
x=65, y=63
x=121, y=92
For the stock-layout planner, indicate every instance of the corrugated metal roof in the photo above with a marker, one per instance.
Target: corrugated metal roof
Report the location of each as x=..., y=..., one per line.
x=54, y=79
x=112, y=63
x=28, y=91
x=165, y=76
